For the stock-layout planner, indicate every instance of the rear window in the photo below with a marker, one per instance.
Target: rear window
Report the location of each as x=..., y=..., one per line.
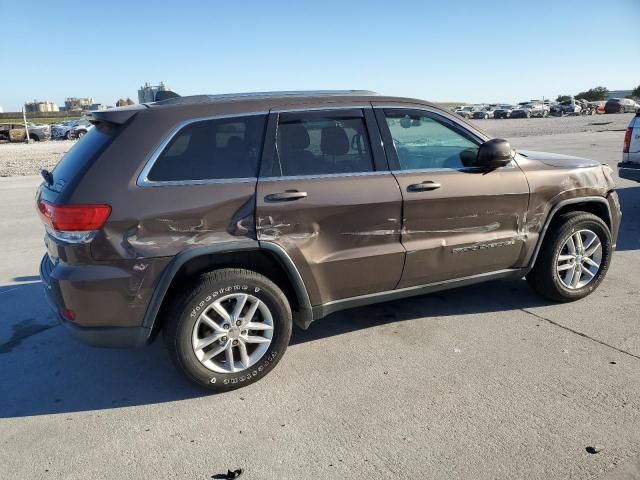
x=77, y=160
x=212, y=149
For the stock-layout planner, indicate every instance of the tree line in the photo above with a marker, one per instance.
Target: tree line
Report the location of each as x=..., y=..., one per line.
x=595, y=94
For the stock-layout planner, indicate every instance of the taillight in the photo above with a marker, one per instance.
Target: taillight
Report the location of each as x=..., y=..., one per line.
x=73, y=223
x=627, y=140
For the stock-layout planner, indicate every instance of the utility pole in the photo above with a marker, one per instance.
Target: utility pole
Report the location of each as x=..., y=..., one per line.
x=26, y=127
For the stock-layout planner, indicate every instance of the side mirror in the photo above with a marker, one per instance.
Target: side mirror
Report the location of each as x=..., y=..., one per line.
x=494, y=153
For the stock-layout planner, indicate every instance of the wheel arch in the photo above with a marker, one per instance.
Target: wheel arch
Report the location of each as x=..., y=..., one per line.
x=262, y=257
x=595, y=205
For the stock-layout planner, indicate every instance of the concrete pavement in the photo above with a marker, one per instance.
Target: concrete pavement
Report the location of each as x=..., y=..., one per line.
x=483, y=382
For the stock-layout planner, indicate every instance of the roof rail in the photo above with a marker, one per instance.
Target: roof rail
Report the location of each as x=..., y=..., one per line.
x=294, y=93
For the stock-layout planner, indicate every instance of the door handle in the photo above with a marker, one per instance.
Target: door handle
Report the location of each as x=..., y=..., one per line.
x=423, y=187
x=287, y=196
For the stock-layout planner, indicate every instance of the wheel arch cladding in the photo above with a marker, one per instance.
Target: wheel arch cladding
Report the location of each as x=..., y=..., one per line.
x=596, y=205
x=263, y=259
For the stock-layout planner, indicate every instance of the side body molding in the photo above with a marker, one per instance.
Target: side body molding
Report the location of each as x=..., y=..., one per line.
x=302, y=318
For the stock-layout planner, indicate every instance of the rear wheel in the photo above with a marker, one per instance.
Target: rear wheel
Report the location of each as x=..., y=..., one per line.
x=229, y=330
x=574, y=257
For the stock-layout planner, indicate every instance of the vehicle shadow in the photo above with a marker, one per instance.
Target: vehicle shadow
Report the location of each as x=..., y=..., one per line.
x=495, y=296
x=44, y=370
x=629, y=236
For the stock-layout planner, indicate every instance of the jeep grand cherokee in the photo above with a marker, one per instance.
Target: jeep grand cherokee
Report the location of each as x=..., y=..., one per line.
x=220, y=221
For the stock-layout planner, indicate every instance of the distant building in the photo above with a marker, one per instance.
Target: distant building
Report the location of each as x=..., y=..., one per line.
x=124, y=103
x=1, y=109
x=149, y=93
x=75, y=104
x=40, y=107
x=619, y=93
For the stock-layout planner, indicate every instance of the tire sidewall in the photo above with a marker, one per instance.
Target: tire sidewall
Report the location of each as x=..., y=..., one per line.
x=605, y=239
x=203, y=297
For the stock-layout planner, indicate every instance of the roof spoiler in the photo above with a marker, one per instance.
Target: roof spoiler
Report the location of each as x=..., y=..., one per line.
x=117, y=116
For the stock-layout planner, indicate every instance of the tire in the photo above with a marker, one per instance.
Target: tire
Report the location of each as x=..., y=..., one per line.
x=545, y=277
x=184, y=325
x=528, y=115
x=622, y=110
x=81, y=134
x=67, y=136
x=35, y=138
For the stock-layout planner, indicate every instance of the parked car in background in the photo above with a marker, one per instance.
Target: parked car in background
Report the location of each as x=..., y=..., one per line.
x=568, y=107
x=466, y=111
x=629, y=168
x=599, y=106
x=484, y=112
x=80, y=130
x=503, y=111
x=15, y=132
x=530, y=109
x=620, y=105
x=61, y=131
x=220, y=221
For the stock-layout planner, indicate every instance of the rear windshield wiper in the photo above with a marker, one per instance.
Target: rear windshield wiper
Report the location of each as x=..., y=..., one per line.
x=47, y=175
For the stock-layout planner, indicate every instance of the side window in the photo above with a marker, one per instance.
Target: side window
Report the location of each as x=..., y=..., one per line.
x=321, y=145
x=422, y=142
x=212, y=149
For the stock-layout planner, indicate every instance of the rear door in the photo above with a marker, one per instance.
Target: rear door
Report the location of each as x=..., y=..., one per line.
x=459, y=220
x=326, y=196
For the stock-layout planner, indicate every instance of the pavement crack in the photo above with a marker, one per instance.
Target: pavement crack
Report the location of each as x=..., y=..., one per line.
x=569, y=329
x=22, y=331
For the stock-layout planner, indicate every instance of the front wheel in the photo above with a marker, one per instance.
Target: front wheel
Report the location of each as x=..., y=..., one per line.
x=574, y=257
x=229, y=330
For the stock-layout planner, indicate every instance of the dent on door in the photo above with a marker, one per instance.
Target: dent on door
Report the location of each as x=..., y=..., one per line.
x=472, y=223
x=343, y=235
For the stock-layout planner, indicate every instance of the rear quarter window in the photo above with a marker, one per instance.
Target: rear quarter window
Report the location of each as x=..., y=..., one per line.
x=80, y=157
x=216, y=149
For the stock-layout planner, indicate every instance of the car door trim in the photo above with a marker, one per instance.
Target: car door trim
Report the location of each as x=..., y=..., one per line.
x=320, y=311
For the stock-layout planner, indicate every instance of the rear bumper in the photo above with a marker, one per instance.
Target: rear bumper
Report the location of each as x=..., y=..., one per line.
x=630, y=171
x=67, y=287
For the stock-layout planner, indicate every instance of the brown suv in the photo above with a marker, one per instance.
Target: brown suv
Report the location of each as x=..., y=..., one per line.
x=221, y=220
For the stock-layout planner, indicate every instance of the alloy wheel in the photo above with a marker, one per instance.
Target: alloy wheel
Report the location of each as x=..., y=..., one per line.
x=232, y=333
x=579, y=259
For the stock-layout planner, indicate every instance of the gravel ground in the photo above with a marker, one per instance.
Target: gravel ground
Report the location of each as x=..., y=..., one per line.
x=535, y=127
x=18, y=159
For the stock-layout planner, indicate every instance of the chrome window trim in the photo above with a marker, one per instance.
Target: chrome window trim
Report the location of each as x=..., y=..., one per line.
x=344, y=106
x=143, y=180
x=510, y=165
x=324, y=175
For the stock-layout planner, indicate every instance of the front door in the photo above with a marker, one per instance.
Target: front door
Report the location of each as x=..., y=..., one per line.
x=459, y=220
x=327, y=197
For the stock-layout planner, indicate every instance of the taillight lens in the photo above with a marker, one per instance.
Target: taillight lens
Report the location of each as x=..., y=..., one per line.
x=627, y=141
x=73, y=218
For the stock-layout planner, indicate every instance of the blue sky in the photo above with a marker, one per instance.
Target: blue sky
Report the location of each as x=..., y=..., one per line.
x=464, y=50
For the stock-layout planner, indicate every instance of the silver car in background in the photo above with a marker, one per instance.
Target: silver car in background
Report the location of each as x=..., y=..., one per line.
x=629, y=168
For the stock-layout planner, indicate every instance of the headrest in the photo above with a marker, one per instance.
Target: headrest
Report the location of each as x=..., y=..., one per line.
x=334, y=141
x=235, y=144
x=293, y=136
